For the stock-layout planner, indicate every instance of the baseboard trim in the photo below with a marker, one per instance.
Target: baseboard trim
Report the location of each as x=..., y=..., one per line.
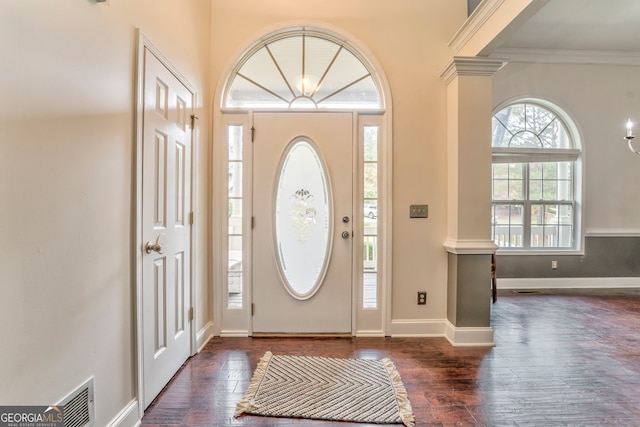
x=234, y=334
x=204, y=335
x=458, y=337
x=128, y=417
x=469, y=337
x=417, y=328
x=370, y=334
x=569, y=283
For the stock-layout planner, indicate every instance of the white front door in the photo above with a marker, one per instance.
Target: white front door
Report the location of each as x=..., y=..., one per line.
x=303, y=222
x=166, y=232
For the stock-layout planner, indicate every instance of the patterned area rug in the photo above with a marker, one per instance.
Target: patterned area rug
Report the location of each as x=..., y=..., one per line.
x=355, y=390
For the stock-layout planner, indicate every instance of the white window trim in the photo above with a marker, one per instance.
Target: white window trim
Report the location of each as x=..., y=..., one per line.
x=575, y=154
x=242, y=325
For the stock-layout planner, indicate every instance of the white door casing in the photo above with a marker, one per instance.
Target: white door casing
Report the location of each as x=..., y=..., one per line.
x=164, y=206
x=329, y=309
x=237, y=100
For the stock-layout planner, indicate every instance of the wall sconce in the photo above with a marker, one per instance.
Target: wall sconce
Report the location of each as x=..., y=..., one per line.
x=629, y=137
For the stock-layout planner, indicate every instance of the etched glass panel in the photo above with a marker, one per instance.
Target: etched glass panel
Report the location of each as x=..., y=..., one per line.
x=303, y=219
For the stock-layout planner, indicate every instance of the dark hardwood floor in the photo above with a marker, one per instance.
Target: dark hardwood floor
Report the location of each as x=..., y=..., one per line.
x=562, y=358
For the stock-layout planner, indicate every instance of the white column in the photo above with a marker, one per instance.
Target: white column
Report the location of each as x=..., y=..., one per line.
x=469, y=111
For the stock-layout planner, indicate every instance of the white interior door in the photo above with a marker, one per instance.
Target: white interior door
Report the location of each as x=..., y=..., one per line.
x=303, y=222
x=166, y=232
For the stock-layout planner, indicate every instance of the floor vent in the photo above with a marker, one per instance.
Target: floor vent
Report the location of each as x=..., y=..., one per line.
x=534, y=292
x=78, y=408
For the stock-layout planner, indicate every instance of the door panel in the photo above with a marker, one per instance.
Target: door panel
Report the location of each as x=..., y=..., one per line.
x=326, y=309
x=166, y=172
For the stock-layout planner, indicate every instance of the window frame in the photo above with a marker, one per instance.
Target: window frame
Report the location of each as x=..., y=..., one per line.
x=238, y=322
x=296, y=88
x=527, y=156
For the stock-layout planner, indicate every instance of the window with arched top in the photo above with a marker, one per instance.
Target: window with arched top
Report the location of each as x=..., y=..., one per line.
x=535, y=180
x=302, y=69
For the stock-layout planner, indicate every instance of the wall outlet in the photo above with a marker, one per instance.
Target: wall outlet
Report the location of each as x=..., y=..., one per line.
x=554, y=265
x=422, y=297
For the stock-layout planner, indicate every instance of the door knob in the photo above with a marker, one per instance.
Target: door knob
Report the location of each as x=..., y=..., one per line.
x=153, y=247
x=345, y=219
x=345, y=234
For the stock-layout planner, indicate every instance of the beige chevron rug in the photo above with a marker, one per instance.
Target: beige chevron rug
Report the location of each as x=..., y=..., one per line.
x=354, y=390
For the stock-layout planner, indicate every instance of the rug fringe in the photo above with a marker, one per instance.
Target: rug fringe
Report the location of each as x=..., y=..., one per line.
x=247, y=402
x=406, y=412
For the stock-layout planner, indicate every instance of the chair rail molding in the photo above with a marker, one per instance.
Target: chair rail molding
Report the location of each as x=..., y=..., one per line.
x=470, y=247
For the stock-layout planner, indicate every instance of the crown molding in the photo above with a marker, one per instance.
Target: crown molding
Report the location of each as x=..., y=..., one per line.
x=471, y=66
x=474, y=22
x=567, y=56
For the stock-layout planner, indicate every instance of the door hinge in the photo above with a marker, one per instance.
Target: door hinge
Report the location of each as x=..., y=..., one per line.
x=253, y=221
x=253, y=309
x=190, y=313
x=190, y=218
x=193, y=121
x=253, y=132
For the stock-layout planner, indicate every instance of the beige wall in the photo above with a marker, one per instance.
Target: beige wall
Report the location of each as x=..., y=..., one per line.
x=66, y=164
x=409, y=39
x=66, y=140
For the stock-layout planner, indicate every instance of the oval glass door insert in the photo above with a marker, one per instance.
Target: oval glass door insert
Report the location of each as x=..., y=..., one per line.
x=303, y=220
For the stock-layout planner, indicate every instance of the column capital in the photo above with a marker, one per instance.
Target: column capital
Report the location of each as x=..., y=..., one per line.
x=470, y=247
x=471, y=66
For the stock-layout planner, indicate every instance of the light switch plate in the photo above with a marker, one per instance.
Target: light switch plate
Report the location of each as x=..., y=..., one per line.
x=419, y=211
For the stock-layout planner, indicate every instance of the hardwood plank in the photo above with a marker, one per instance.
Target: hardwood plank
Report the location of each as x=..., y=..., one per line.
x=562, y=358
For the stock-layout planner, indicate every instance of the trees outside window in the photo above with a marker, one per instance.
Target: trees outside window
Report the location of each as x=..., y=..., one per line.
x=534, y=179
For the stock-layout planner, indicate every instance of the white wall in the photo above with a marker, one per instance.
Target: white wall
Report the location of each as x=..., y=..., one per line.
x=409, y=39
x=66, y=145
x=599, y=98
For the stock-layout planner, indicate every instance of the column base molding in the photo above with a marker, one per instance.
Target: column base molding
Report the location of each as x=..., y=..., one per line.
x=428, y=328
x=469, y=336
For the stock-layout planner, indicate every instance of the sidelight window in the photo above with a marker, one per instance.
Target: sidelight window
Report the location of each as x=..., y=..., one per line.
x=235, y=217
x=370, y=212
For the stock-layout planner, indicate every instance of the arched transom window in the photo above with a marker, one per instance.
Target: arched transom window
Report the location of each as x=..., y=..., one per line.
x=535, y=179
x=302, y=69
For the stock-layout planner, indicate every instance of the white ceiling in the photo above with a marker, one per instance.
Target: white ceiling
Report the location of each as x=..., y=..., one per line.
x=594, y=26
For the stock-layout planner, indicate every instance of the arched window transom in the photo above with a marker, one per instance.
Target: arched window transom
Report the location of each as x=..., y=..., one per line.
x=529, y=126
x=302, y=69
